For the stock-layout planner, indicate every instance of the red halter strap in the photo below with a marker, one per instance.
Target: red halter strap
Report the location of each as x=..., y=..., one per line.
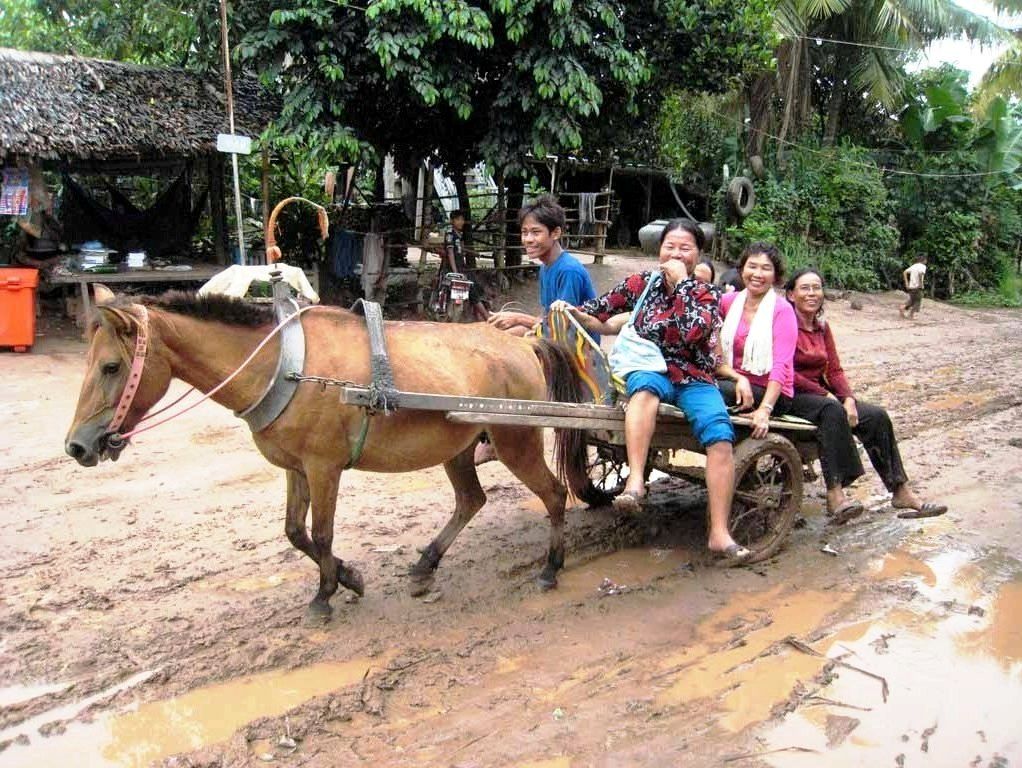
x=134, y=375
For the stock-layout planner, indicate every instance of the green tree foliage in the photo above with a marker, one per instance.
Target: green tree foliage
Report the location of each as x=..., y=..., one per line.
x=493, y=81
x=697, y=134
x=963, y=210
x=159, y=32
x=832, y=211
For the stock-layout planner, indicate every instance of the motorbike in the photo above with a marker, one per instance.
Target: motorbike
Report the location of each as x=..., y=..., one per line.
x=450, y=299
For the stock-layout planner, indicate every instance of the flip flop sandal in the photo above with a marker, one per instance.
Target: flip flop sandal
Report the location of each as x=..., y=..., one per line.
x=929, y=509
x=629, y=502
x=847, y=511
x=733, y=554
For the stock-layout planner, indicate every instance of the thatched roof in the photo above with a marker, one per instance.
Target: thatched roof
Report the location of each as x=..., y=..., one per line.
x=72, y=107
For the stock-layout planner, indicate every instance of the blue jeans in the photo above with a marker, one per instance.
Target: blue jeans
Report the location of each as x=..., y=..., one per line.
x=702, y=403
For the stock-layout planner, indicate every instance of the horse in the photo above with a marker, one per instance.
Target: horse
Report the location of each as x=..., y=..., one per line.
x=203, y=340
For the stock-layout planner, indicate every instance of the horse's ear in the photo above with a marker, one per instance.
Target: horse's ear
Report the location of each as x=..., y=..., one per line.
x=103, y=295
x=115, y=319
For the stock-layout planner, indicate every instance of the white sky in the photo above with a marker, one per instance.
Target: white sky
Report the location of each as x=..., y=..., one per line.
x=964, y=54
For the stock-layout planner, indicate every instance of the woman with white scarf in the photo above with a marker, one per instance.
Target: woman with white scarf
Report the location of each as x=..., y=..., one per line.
x=758, y=340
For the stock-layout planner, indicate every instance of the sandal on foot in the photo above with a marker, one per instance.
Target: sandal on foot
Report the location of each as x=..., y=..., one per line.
x=732, y=554
x=928, y=509
x=629, y=502
x=845, y=512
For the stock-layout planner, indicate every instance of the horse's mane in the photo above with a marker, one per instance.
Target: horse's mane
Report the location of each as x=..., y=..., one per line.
x=223, y=309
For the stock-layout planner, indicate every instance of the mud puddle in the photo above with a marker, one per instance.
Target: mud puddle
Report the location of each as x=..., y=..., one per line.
x=158, y=729
x=953, y=660
x=627, y=570
x=740, y=659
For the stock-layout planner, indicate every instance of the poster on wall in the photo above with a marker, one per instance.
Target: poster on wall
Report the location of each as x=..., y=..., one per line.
x=14, y=195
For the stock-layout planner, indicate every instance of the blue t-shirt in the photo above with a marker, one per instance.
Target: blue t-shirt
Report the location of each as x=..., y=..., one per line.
x=565, y=279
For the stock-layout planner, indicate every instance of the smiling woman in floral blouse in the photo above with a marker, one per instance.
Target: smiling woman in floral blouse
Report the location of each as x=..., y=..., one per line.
x=681, y=316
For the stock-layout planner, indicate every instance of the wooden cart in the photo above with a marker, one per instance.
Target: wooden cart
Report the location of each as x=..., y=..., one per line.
x=769, y=472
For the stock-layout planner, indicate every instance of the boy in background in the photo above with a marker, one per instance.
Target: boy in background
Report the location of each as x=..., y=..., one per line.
x=454, y=261
x=913, y=278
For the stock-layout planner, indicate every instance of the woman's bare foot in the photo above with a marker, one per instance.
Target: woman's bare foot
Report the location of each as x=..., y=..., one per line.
x=905, y=499
x=836, y=499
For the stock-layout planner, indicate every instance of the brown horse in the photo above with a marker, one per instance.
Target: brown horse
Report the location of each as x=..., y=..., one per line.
x=203, y=340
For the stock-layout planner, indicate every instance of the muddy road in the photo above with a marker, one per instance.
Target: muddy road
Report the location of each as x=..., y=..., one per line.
x=151, y=610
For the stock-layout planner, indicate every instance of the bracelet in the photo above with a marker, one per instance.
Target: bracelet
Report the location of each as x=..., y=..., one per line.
x=770, y=408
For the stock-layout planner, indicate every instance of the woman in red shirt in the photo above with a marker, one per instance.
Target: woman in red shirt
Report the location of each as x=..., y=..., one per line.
x=823, y=396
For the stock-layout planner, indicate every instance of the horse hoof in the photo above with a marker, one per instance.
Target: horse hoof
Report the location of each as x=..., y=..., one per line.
x=318, y=613
x=351, y=579
x=421, y=585
x=546, y=581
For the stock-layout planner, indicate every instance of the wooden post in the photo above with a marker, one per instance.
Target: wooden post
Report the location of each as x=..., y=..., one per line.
x=266, y=188
x=218, y=207
x=601, y=229
x=500, y=236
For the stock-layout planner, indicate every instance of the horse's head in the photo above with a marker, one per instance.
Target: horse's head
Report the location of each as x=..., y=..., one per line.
x=114, y=332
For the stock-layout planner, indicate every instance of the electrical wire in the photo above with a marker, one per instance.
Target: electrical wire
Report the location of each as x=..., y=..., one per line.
x=895, y=171
x=817, y=39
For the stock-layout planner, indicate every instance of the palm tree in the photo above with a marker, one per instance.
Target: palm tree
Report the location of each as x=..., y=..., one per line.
x=877, y=37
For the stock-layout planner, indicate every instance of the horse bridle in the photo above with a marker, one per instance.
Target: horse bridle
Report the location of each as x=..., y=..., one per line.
x=114, y=439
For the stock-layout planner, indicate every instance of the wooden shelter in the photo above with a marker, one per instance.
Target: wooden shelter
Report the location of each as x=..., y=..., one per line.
x=74, y=114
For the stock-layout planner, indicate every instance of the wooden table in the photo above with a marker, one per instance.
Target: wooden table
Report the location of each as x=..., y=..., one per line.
x=82, y=279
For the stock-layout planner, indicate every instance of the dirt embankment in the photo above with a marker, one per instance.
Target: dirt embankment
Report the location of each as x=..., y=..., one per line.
x=151, y=610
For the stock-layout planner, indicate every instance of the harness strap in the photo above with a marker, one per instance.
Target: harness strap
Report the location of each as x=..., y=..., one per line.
x=280, y=389
x=384, y=394
x=134, y=375
x=379, y=360
x=360, y=441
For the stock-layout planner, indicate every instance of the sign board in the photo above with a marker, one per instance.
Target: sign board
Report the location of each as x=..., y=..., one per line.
x=233, y=144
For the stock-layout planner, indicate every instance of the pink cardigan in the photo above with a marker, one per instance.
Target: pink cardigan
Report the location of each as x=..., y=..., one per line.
x=785, y=338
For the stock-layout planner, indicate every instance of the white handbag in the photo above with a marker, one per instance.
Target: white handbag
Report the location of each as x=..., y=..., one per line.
x=631, y=352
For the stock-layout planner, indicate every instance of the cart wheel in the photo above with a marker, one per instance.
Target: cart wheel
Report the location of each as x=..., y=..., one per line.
x=768, y=494
x=607, y=466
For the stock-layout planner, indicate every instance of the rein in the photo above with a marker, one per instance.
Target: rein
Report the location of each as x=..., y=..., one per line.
x=116, y=440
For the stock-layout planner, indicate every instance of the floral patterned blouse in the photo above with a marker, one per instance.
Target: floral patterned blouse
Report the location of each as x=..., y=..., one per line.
x=685, y=323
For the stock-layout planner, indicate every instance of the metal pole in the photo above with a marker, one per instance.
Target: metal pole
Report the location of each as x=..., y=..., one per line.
x=230, y=118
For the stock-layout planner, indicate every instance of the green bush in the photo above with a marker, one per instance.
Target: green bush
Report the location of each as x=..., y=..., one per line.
x=832, y=211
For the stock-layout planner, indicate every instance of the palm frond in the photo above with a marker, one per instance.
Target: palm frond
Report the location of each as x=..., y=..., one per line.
x=823, y=9
x=1003, y=78
x=881, y=76
x=922, y=21
x=1007, y=6
x=789, y=19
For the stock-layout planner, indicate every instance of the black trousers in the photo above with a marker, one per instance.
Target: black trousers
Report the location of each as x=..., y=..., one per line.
x=727, y=389
x=839, y=457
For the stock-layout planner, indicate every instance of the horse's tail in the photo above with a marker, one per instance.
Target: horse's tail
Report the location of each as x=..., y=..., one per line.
x=565, y=386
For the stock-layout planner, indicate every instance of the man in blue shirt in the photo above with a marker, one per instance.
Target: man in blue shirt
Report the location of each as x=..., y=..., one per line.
x=561, y=276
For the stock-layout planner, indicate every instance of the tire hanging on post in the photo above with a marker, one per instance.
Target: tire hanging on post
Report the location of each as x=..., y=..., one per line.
x=741, y=196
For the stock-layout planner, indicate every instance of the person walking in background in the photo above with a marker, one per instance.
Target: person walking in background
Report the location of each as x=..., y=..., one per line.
x=913, y=279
